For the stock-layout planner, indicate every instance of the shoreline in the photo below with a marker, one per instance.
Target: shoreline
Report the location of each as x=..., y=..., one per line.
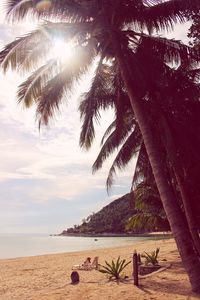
x=47, y=277
x=28, y=246
x=150, y=234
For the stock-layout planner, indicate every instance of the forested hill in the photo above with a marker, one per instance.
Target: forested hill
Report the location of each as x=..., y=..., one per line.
x=110, y=219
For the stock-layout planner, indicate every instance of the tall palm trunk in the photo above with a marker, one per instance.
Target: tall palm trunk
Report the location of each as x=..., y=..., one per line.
x=181, y=233
x=171, y=151
x=188, y=211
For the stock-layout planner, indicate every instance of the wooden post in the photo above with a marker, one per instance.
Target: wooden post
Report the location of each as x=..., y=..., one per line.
x=139, y=259
x=135, y=268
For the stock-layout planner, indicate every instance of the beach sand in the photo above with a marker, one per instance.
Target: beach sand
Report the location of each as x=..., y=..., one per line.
x=48, y=276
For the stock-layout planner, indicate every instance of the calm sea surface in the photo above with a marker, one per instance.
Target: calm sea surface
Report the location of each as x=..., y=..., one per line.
x=12, y=246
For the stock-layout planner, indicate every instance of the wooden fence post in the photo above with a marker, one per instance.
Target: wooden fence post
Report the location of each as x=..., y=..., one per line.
x=135, y=268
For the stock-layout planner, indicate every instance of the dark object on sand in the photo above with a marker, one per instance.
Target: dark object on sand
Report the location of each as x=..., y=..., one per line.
x=135, y=268
x=139, y=259
x=75, y=277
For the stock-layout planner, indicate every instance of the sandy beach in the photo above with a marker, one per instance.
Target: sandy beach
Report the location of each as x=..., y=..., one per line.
x=48, y=276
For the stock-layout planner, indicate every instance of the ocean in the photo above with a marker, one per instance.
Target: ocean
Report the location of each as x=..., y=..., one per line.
x=18, y=245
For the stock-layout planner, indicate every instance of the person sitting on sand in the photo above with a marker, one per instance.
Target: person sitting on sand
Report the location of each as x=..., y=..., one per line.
x=87, y=262
x=87, y=265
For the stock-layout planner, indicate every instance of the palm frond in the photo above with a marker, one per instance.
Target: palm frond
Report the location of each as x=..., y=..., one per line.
x=19, y=8
x=153, y=14
x=143, y=169
x=108, y=131
x=130, y=148
x=53, y=92
x=147, y=197
x=146, y=221
x=169, y=50
x=31, y=90
x=112, y=143
x=73, y=10
x=99, y=97
x=27, y=51
x=162, y=15
x=122, y=103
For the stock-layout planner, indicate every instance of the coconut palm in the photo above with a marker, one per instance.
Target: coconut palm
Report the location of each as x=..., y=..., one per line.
x=113, y=30
x=185, y=89
x=150, y=213
x=143, y=170
x=174, y=102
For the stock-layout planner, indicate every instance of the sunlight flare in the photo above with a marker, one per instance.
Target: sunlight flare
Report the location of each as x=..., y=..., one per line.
x=61, y=50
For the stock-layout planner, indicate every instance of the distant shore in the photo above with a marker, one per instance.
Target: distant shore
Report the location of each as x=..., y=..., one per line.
x=47, y=277
x=107, y=234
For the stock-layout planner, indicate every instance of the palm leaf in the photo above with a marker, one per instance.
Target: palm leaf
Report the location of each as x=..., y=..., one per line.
x=108, y=131
x=19, y=9
x=112, y=142
x=26, y=52
x=99, y=97
x=53, y=92
x=130, y=147
x=31, y=90
x=169, y=50
x=163, y=15
x=143, y=169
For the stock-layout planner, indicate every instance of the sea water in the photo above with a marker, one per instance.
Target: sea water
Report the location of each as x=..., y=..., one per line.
x=16, y=245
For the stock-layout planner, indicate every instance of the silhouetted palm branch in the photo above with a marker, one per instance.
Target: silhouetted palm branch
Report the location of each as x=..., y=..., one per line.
x=129, y=149
x=68, y=9
x=114, y=140
x=26, y=52
x=52, y=94
x=30, y=91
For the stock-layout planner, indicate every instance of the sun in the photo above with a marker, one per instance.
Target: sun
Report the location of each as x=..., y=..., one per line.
x=61, y=50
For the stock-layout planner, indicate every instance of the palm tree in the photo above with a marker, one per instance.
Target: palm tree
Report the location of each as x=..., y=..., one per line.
x=111, y=29
x=182, y=87
x=150, y=213
x=133, y=145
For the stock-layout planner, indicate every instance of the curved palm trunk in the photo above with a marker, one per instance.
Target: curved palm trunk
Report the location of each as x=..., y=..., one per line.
x=188, y=212
x=170, y=148
x=181, y=233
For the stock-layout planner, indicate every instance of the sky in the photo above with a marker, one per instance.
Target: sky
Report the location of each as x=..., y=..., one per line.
x=46, y=181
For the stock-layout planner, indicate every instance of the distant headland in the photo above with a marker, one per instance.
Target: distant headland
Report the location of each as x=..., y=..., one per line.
x=111, y=221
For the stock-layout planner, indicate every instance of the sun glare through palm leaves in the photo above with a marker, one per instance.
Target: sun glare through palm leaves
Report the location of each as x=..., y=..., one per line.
x=62, y=50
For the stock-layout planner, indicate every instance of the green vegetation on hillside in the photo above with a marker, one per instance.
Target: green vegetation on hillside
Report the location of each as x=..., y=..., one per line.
x=150, y=215
x=110, y=219
x=137, y=212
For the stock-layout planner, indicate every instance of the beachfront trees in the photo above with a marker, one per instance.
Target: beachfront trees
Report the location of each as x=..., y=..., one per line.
x=150, y=213
x=176, y=111
x=113, y=30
